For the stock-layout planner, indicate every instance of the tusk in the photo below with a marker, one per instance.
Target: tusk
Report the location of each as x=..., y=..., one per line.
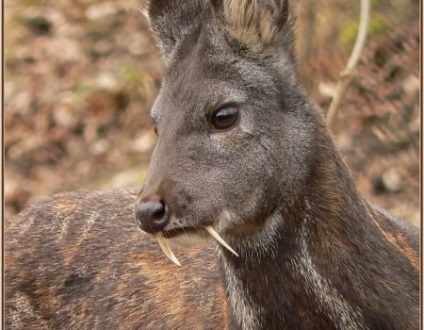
x=166, y=249
x=220, y=239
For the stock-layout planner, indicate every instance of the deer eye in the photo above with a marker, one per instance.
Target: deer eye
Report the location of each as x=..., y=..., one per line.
x=225, y=118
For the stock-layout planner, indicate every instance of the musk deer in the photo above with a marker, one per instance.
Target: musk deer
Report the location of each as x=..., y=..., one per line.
x=243, y=155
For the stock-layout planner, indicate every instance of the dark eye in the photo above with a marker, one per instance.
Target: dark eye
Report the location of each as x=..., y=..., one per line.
x=225, y=118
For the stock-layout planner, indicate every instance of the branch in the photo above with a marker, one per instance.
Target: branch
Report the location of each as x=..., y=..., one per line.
x=347, y=75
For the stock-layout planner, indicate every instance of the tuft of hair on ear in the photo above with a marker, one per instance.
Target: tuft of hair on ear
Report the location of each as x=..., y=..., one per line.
x=259, y=24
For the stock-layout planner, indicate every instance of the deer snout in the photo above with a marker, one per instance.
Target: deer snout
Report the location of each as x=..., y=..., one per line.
x=152, y=214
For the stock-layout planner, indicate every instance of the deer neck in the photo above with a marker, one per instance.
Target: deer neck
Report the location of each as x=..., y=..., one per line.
x=288, y=279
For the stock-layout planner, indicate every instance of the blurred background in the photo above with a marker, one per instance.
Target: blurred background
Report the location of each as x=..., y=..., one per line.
x=81, y=76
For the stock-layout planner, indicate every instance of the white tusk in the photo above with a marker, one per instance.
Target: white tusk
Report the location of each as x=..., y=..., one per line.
x=166, y=249
x=220, y=239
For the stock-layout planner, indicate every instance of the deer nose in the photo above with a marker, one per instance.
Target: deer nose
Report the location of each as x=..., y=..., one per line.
x=152, y=215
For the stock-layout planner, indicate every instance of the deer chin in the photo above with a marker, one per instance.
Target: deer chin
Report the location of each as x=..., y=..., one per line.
x=188, y=237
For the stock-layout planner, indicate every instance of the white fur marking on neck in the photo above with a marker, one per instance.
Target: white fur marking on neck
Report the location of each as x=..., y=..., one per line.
x=244, y=310
x=331, y=302
x=261, y=243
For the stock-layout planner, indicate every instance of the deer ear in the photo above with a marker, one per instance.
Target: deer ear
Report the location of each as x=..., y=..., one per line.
x=257, y=23
x=170, y=20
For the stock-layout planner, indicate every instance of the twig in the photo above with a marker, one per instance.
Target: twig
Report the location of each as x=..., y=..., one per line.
x=347, y=75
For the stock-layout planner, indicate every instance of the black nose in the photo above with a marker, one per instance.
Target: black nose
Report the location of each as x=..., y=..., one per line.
x=152, y=215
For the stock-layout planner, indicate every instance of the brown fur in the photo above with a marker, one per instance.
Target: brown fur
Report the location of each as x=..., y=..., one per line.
x=61, y=281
